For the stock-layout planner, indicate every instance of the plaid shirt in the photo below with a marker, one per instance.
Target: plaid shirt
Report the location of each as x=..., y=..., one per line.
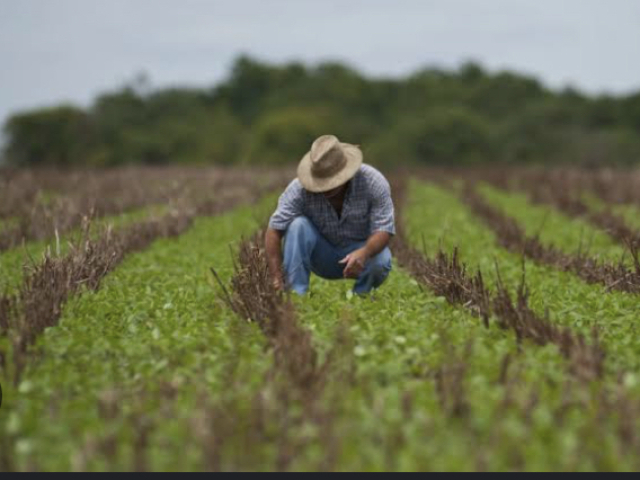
x=368, y=208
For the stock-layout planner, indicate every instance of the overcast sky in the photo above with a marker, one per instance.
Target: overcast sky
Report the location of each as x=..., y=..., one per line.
x=69, y=50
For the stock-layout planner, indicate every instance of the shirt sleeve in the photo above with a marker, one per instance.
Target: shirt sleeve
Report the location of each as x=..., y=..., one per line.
x=290, y=207
x=382, y=210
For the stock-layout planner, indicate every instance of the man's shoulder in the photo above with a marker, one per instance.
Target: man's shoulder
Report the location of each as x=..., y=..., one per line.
x=294, y=187
x=374, y=178
x=293, y=193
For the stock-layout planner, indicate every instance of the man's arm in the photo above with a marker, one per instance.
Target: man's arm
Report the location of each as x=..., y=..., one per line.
x=290, y=206
x=356, y=261
x=273, y=250
x=382, y=224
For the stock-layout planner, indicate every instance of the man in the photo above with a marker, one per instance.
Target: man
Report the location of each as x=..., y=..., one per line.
x=336, y=218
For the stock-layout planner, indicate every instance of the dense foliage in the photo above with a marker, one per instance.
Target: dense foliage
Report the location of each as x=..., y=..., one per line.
x=264, y=114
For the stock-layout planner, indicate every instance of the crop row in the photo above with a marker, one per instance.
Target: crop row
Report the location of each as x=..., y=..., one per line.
x=211, y=194
x=580, y=195
x=575, y=303
x=150, y=327
x=47, y=285
x=433, y=387
x=442, y=370
x=43, y=204
x=16, y=261
x=147, y=373
x=589, y=262
x=610, y=396
x=37, y=304
x=402, y=399
x=613, y=187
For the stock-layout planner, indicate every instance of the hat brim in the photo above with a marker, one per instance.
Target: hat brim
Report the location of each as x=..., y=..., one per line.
x=319, y=185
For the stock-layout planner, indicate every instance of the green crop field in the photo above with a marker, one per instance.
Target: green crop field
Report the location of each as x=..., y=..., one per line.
x=505, y=339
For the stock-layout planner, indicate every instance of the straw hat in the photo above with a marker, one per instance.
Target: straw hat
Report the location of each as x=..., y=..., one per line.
x=330, y=164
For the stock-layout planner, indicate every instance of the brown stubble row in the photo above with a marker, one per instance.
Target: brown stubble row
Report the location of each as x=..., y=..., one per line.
x=299, y=382
x=559, y=192
x=448, y=277
x=256, y=299
x=564, y=188
x=105, y=191
x=236, y=429
x=48, y=283
x=511, y=236
x=232, y=439
x=41, y=204
x=611, y=186
x=615, y=187
x=445, y=275
x=77, y=194
x=38, y=304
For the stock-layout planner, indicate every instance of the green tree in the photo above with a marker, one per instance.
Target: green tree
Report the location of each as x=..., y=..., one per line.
x=270, y=114
x=284, y=136
x=442, y=136
x=53, y=136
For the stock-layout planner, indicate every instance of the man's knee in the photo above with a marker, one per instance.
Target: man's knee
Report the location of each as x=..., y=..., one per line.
x=301, y=232
x=380, y=265
x=375, y=274
x=300, y=225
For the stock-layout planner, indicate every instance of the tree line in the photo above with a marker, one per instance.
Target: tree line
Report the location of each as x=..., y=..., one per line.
x=267, y=114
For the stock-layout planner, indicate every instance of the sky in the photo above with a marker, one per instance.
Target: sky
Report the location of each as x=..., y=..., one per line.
x=55, y=51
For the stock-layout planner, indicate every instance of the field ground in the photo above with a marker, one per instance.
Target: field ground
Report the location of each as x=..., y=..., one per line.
x=505, y=339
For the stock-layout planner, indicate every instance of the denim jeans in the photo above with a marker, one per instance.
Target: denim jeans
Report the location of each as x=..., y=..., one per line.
x=306, y=251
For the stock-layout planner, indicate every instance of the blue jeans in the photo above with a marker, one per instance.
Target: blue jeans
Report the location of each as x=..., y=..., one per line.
x=306, y=251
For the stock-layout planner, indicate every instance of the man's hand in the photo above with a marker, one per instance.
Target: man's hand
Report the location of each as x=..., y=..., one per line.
x=278, y=283
x=355, y=263
x=273, y=248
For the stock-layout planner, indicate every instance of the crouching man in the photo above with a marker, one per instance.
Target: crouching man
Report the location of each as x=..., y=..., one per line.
x=336, y=218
